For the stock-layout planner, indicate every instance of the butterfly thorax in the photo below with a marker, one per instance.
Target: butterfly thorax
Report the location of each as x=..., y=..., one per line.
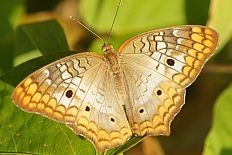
x=111, y=58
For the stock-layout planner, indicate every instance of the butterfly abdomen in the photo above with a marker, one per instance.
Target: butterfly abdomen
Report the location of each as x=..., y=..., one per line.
x=119, y=81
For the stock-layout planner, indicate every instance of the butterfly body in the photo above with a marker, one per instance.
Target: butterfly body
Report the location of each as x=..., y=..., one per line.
x=111, y=58
x=137, y=89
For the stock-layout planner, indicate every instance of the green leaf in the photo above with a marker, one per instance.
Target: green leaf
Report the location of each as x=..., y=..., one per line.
x=47, y=36
x=25, y=133
x=219, y=140
x=221, y=20
x=133, y=15
x=10, y=11
x=129, y=144
x=197, y=11
x=138, y=16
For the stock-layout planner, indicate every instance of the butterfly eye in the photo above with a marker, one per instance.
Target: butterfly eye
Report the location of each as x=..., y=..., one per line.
x=69, y=93
x=170, y=62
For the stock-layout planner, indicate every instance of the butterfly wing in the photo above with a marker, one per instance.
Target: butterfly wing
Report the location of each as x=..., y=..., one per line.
x=158, y=66
x=77, y=91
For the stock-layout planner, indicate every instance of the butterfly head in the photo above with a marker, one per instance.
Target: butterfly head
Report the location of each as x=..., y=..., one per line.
x=107, y=47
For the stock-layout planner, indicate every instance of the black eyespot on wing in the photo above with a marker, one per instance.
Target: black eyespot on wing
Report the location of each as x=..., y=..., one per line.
x=141, y=111
x=170, y=62
x=159, y=92
x=69, y=93
x=112, y=119
x=87, y=108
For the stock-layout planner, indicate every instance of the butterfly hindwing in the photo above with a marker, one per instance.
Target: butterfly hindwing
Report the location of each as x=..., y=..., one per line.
x=154, y=99
x=107, y=124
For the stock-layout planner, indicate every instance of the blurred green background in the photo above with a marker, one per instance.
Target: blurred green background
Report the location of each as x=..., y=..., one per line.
x=34, y=33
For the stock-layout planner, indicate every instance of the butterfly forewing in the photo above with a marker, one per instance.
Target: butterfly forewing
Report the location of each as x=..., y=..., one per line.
x=158, y=66
x=51, y=90
x=184, y=50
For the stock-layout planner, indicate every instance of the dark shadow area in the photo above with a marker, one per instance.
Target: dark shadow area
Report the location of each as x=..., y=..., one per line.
x=42, y=5
x=226, y=152
x=197, y=11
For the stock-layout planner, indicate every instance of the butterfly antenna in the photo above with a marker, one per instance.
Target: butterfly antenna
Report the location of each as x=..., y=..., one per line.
x=111, y=28
x=77, y=21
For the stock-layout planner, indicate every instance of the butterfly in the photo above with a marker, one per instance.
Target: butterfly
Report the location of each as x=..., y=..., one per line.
x=135, y=90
